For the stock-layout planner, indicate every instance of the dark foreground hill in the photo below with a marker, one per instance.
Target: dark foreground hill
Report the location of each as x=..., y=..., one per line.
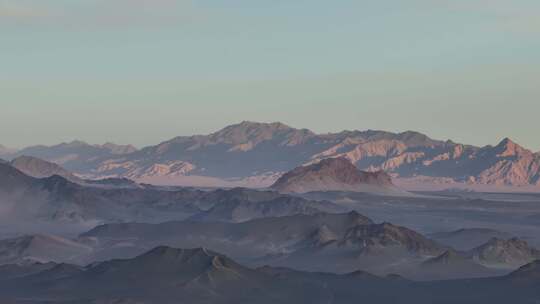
x=168, y=275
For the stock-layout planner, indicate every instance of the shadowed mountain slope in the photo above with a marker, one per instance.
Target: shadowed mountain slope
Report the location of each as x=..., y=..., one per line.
x=166, y=274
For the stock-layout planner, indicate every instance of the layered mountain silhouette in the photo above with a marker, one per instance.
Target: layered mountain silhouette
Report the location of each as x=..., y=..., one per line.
x=57, y=199
x=317, y=242
x=164, y=275
x=261, y=236
x=297, y=242
x=334, y=174
x=255, y=154
x=199, y=275
x=321, y=242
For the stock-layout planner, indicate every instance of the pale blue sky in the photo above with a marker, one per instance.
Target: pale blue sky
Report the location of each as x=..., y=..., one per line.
x=142, y=71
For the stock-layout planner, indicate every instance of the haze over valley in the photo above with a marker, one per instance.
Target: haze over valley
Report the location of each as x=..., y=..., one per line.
x=280, y=152
x=330, y=217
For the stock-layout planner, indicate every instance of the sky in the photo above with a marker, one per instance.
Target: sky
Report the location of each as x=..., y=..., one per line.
x=144, y=71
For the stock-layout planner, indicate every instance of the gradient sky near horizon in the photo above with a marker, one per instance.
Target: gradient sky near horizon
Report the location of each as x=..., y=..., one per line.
x=143, y=71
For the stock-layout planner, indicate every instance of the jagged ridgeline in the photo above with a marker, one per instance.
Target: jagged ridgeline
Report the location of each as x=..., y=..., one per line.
x=255, y=154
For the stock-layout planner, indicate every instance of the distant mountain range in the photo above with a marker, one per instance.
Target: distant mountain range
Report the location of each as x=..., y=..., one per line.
x=256, y=154
x=75, y=156
x=164, y=275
